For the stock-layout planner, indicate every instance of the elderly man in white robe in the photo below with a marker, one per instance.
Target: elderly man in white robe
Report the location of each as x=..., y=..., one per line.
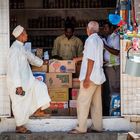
x=28, y=95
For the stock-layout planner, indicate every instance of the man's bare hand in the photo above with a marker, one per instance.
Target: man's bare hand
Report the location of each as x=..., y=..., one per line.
x=19, y=90
x=45, y=62
x=77, y=59
x=86, y=83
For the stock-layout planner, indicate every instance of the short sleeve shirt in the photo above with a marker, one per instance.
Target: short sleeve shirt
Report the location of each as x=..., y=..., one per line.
x=93, y=50
x=113, y=42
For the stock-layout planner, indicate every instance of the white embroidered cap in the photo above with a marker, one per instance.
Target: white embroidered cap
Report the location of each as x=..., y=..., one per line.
x=17, y=31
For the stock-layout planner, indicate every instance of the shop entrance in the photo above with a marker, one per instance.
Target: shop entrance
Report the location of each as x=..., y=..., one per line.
x=44, y=21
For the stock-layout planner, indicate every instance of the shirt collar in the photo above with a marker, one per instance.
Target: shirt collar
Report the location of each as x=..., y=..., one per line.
x=19, y=42
x=70, y=38
x=94, y=34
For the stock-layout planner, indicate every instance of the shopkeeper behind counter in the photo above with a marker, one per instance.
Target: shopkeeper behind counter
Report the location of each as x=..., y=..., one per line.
x=67, y=46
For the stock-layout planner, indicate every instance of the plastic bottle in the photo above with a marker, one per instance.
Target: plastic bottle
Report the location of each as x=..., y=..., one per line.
x=46, y=55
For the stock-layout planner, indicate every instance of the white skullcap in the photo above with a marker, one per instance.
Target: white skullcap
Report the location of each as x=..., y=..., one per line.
x=17, y=31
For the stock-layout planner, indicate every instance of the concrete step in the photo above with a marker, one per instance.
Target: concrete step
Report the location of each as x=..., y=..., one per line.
x=54, y=124
x=64, y=136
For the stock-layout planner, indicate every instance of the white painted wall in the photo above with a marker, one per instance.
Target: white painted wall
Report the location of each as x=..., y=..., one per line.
x=4, y=34
x=4, y=45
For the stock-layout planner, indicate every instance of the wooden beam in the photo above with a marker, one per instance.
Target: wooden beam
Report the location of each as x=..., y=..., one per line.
x=133, y=136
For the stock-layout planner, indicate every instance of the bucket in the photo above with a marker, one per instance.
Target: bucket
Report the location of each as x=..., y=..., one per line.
x=133, y=64
x=114, y=19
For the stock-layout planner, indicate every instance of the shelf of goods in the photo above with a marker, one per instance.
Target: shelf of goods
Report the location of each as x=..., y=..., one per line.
x=44, y=21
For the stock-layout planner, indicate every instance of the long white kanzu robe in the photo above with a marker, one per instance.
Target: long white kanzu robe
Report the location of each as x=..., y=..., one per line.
x=19, y=74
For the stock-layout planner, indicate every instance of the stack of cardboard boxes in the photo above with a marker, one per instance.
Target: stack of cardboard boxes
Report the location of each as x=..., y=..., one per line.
x=74, y=95
x=63, y=89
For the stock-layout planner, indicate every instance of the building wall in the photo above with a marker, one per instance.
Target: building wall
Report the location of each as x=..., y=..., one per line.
x=4, y=45
x=130, y=86
x=130, y=92
x=4, y=34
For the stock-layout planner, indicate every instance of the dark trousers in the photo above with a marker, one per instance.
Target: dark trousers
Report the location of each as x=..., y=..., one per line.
x=106, y=97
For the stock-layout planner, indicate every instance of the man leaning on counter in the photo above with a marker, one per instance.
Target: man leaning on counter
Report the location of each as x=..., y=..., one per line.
x=67, y=46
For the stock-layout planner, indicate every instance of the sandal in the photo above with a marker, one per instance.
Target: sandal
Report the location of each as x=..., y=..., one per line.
x=41, y=114
x=75, y=131
x=23, y=130
x=89, y=130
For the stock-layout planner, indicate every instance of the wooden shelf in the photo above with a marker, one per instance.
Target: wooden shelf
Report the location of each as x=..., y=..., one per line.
x=63, y=9
x=82, y=16
x=52, y=29
x=48, y=48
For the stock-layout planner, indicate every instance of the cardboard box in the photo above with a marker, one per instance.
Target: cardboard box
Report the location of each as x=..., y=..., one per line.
x=58, y=105
x=41, y=76
x=58, y=112
x=72, y=103
x=43, y=68
x=55, y=80
x=74, y=93
x=73, y=108
x=66, y=66
x=75, y=83
x=73, y=112
x=59, y=94
x=58, y=109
